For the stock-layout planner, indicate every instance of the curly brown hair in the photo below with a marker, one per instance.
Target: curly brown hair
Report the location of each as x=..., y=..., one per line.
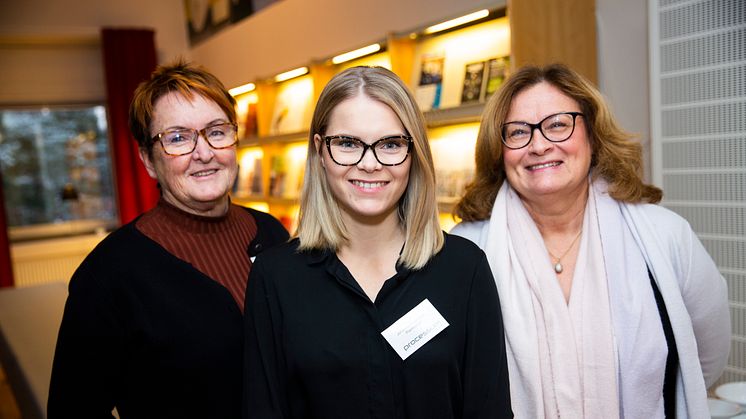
x=616, y=156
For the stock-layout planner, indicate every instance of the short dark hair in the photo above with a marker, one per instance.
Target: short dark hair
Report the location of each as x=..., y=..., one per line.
x=182, y=77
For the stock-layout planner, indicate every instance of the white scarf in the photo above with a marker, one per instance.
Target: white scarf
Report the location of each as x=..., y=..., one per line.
x=563, y=358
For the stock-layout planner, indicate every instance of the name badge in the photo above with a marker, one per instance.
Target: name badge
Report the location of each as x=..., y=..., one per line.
x=414, y=329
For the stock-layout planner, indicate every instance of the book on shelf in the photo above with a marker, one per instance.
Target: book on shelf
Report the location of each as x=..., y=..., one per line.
x=430, y=86
x=497, y=70
x=277, y=176
x=293, y=107
x=473, y=82
x=249, y=179
x=250, y=126
x=451, y=183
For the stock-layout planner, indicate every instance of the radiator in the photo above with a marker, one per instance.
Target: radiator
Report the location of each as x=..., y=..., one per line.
x=53, y=260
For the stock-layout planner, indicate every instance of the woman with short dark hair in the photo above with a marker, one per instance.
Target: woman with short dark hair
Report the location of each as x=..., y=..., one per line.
x=153, y=322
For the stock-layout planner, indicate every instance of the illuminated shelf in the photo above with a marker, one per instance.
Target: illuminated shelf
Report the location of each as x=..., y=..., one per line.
x=272, y=200
x=292, y=137
x=249, y=142
x=456, y=115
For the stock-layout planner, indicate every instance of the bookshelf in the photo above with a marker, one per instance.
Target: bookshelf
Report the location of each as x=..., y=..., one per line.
x=434, y=66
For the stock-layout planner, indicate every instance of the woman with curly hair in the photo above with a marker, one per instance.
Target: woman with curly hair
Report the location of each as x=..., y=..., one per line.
x=612, y=307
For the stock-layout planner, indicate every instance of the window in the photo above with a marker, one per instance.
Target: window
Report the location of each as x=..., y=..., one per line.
x=56, y=170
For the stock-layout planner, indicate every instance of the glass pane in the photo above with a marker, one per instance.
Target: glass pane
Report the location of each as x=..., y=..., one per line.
x=55, y=165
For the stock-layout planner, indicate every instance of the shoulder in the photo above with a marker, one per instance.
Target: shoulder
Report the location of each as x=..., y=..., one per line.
x=460, y=251
x=282, y=256
x=269, y=233
x=118, y=255
x=472, y=230
x=119, y=242
x=665, y=222
x=264, y=220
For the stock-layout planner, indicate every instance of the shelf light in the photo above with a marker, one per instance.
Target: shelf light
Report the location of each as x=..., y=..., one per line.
x=291, y=74
x=245, y=88
x=347, y=56
x=457, y=22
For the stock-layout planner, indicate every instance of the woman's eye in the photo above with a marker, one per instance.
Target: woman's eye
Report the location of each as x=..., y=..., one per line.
x=176, y=138
x=216, y=132
x=517, y=132
x=557, y=125
x=347, y=143
x=390, y=144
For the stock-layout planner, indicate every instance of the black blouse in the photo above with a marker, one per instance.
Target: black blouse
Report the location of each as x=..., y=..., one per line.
x=314, y=347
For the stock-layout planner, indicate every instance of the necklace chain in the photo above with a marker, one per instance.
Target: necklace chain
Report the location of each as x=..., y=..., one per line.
x=558, y=266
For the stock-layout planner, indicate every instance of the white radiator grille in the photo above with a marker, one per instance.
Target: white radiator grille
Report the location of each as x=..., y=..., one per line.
x=54, y=260
x=698, y=105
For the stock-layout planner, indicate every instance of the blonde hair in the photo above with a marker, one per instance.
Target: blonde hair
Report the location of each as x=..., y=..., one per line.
x=320, y=223
x=615, y=156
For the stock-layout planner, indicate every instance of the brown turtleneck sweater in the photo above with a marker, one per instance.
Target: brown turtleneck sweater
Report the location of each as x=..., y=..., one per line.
x=216, y=246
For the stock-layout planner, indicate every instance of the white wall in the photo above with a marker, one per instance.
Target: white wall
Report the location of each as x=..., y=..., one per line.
x=49, y=49
x=57, y=18
x=622, y=28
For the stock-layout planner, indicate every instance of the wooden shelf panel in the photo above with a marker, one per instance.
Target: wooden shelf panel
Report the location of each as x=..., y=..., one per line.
x=433, y=118
x=451, y=116
x=271, y=200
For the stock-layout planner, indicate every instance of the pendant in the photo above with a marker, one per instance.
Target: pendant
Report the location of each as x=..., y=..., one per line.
x=558, y=267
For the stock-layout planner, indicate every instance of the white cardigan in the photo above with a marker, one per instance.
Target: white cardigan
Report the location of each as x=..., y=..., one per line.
x=694, y=291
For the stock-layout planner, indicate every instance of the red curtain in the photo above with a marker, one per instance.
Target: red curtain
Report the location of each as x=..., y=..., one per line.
x=6, y=270
x=129, y=58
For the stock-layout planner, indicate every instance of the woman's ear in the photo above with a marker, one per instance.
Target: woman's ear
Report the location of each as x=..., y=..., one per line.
x=147, y=160
x=317, y=142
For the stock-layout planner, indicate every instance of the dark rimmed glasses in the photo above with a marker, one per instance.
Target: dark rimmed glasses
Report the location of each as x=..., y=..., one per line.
x=555, y=128
x=346, y=150
x=181, y=141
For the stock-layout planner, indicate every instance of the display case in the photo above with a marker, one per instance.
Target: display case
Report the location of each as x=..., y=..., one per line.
x=451, y=72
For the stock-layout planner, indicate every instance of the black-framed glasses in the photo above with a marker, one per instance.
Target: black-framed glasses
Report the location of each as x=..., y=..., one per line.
x=555, y=128
x=180, y=141
x=346, y=150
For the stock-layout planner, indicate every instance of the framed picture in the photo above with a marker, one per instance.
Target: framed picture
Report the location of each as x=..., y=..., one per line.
x=473, y=80
x=205, y=18
x=430, y=85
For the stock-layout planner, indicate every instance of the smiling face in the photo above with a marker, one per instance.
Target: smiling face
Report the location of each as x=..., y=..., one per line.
x=198, y=182
x=544, y=172
x=367, y=192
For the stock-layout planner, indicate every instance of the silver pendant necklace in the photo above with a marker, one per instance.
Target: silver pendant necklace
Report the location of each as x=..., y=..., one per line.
x=558, y=265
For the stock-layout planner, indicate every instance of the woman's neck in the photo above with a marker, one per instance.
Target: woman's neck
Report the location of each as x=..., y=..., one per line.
x=558, y=216
x=217, y=208
x=372, y=251
x=366, y=237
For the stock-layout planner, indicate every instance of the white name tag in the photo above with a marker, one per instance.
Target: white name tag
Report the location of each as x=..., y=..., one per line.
x=414, y=329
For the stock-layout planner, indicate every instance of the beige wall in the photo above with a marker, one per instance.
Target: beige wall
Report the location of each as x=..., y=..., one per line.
x=622, y=29
x=291, y=33
x=49, y=49
x=71, y=18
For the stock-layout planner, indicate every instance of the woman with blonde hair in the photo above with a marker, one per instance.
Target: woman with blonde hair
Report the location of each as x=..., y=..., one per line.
x=372, y=311
x=612, y=306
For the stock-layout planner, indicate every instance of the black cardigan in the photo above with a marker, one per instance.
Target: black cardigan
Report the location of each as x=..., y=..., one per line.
x=146, y=332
